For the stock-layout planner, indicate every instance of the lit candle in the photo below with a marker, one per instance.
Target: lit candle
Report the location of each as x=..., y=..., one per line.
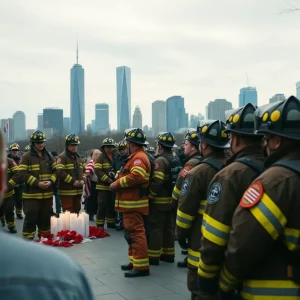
x=53, y=222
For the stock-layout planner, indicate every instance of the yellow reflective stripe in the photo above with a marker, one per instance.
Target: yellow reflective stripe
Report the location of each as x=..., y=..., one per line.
x=161, y=200
x=31, y=180
x=207, y=271
x=269, y=215
x=132, y=204
x=292, y=238
x=98, y=166
x=37, y=195
x=130, y=259
x=60, y=167
x=176, y=193
x=106, y=166
x=158, y=175
x=14, y=169
x=168, y=251
x=104, y=177
x=102, y=187
x=44, y=231
x=141, y=262
x=154, y=253
x=53, y=177
x=184, y=220
x=151, y=192
x=44, y=176
x=270, y=289
x=9, y=194
x=140, y=171
x=215, y=231
x=68, y=179
x=202, y=206
x=193, y=257
x=227, y=281
x=70, y=192
x=123, y=182
x=23, y=167
x=12, y=182
x=35, y=167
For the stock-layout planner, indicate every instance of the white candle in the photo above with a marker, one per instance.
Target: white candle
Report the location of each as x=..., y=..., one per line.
x=82, y=225
x=53, y=222
x=67, y=220
x=60, y=223
x=87, y=224
x=73, y=218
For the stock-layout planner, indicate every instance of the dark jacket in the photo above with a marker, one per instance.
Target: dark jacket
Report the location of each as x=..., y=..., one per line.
x=12, y=178
x=103, y=167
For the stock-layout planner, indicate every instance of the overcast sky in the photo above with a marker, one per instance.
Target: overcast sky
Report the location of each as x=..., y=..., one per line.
x=199, y=49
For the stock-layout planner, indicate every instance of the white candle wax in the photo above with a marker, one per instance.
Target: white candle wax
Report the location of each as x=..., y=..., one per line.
x=53, y=222
x=67, y=220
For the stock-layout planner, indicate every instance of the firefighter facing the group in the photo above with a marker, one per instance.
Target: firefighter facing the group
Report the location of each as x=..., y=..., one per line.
x=38, y=170
x=263, y=258
x=246, y=163
x=14, y=154
x=131, y=198
x=193, y=196
x=161, y=241
x=192, y=159
x=7, y=208
x=104, y=172
x=71, y=176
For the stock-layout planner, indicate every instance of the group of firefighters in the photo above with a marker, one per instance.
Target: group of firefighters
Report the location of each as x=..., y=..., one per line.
x=233, y=205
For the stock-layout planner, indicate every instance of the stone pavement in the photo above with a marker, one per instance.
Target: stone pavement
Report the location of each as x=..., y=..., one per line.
x=101, y=260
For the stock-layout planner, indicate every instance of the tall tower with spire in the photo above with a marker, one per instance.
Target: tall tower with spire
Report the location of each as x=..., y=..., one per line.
x=77, y=103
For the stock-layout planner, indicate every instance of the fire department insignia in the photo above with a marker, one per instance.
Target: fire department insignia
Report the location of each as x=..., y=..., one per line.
x=185, y=188
x=214, y=193
x=252, y=196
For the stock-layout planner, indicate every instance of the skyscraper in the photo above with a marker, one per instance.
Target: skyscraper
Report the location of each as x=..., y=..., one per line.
x=175, y=112
x=53, y=118
x=247, y=95
x=277, y=97
x=298, y=89
x=101, y=118
x=123, y=98
x=137, y=119
x=158, y=117
x=77, y=99
x=19, y=125
x=216, y=109
x=40, y=121
x=66, y=125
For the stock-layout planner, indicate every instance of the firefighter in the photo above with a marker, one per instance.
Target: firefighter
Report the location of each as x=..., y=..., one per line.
x=263, y=247
x=105, y=174
x=193, y=195
x=70, y=168
x=161, y=241
x=38, y=170
x=193, y=158
x=246, y=163
x=118, y=163
x=7, y=208
x=151, y=151
x=27, y=148
x=14, y=154
x=132, y=199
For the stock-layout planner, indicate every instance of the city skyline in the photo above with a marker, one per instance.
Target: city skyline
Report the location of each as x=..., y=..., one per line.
x=201, y=54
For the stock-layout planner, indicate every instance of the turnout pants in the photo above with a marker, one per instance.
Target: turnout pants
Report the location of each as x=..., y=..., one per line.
x=161, y=239
x=106, y=209
x=71, y=203
x=134, y=233
x=7, y=212
x=37, y=214
x=18, y=202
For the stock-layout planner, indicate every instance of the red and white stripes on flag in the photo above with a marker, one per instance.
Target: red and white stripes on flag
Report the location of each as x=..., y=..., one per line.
x=6, y=126
x=251, y=195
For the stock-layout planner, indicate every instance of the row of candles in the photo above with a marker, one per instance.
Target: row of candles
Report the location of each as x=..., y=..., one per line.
x=70, y=221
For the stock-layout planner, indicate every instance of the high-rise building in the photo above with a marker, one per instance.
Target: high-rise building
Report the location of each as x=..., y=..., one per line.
x=123, y=98
x=216, y=109
x=277, y=97
x=19, y=125
x=175, y=112
x=101, y=118
x=194, y=120
x=40, y=122
x=53, y=118
x=298, y=89
x=77, y=123
x=247, y=95
x=137, y=119
x=8, y=126
x=158, y=117
x=66, y=123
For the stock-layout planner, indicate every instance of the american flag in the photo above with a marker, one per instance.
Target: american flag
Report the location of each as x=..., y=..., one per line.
x=6, y=127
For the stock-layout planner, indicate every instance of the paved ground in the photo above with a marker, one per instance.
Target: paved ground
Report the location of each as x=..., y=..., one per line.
x=101, y=260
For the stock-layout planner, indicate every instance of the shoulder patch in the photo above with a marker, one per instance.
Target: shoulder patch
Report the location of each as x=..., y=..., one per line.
x=252, y=196
x=185, y=170
x=156, y=165
x=214, y=193
x=137, y=162
x=185, y=188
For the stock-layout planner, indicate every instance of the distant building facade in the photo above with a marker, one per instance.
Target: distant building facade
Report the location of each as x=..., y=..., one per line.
x=19, y=119
x=247, y=95
x=277, y=97
x=53, y=118
x=40, y=121
x=175, y=114
x=216, y=109
x=158, y=117
x=66, y=124
x=101, y=119
x=137, y=119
